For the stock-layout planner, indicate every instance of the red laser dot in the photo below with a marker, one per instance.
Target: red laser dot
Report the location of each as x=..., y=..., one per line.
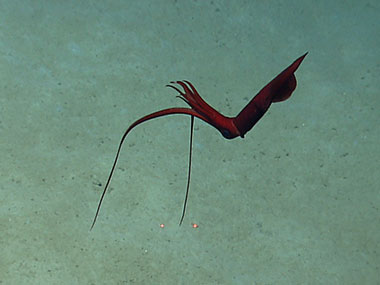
x=195, y=226
x=162, y=225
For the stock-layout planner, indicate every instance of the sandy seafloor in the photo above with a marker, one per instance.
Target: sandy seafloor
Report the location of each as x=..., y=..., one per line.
x=294, y=202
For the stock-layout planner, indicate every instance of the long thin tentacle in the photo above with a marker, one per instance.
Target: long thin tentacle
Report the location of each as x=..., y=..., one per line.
x=165, y=112
x=189, y=169
x=109, y=179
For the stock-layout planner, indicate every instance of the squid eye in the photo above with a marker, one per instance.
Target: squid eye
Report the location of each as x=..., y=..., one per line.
x=226, y=133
